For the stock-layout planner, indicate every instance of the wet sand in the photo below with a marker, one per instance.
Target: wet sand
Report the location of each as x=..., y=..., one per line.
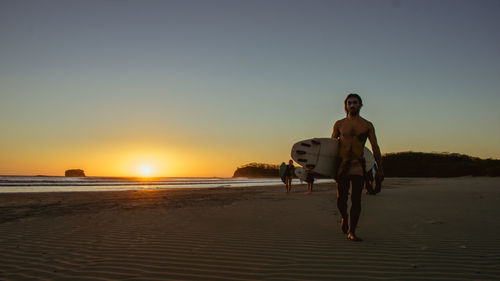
x=416, y=229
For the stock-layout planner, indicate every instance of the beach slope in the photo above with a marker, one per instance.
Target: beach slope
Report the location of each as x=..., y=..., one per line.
x=416, y=229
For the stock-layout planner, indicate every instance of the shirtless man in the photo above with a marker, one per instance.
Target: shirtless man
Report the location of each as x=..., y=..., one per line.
x=352, y=133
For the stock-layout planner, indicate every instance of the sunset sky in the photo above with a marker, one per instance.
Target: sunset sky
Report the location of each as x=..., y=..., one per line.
x=197, y=88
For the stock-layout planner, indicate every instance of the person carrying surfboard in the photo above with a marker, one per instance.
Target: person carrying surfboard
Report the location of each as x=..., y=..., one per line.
x=309, y=178
x=352, y=133
x=290, y=170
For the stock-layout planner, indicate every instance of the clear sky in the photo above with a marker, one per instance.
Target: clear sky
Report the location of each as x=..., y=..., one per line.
x=197, y=88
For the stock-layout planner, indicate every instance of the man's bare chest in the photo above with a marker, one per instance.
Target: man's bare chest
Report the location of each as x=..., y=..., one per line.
x=354, y=132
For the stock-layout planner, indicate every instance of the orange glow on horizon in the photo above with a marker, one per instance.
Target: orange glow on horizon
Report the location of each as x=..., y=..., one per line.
x=138, y=159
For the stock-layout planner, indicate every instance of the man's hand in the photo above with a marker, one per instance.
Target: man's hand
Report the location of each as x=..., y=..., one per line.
x=379, y=175
x=379, y=178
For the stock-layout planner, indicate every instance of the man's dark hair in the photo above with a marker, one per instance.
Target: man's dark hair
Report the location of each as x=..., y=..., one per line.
x=352, y=95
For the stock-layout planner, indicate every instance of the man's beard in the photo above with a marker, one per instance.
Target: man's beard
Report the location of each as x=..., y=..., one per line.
x=354, y=112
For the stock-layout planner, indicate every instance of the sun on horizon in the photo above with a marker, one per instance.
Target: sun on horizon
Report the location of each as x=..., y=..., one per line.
x=146, y=171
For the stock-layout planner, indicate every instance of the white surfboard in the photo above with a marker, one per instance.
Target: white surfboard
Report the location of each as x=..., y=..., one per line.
x=301, y=173
x=322, y=153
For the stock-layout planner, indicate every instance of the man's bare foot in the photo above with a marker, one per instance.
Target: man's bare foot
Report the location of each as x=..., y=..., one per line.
x=344, y=225
x=353, y=237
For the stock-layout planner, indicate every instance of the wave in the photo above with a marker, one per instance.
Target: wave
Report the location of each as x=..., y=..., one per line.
x=16, y=184
x=94, y=181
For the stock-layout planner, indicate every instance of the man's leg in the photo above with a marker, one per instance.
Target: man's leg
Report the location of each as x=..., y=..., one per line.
x=342, y=194
x=357, y=188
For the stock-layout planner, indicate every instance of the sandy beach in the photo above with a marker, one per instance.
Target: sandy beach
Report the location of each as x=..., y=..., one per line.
x=416, y=229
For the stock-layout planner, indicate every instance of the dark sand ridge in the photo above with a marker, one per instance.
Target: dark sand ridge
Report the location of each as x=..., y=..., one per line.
x=416, y=229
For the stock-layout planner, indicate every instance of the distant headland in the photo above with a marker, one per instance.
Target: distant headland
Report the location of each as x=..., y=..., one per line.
x=406, y=164
x=257, y=170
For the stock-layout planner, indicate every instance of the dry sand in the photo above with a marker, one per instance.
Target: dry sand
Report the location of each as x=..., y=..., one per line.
x=416, y=229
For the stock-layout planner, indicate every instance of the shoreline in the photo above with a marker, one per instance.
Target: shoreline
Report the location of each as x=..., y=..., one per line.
x=20, y=186
x=32, y=184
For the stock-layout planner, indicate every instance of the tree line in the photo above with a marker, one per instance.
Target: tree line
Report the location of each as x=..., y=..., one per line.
x=419, y=164
x=406, y=164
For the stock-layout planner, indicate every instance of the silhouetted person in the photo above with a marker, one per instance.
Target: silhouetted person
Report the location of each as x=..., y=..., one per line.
x=309, y=178
x=352, y=132
x=290, y=170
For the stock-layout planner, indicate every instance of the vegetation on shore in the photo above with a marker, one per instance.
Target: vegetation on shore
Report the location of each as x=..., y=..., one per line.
x=419, y=164
x=257, y=170
x=406, y=164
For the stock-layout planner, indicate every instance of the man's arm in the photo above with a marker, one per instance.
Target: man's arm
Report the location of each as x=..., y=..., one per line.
x=376, y=151
x=336, y=131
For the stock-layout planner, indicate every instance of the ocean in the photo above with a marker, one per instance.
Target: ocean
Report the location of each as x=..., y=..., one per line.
x=17, y=184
